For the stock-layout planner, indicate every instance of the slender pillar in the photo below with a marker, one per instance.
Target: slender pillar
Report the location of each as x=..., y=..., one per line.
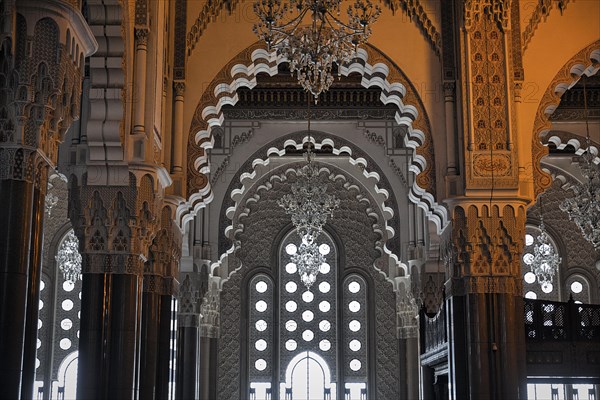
x=33, y=294
x=16, y=198
x=450, y=115
x=149, y=344
x=141, y=52
x=178, y=148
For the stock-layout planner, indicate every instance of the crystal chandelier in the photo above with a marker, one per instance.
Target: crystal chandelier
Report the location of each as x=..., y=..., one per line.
x=584, y=207
x=309, y=207
x=545, y=261
x=68, y=257
x=311, y=35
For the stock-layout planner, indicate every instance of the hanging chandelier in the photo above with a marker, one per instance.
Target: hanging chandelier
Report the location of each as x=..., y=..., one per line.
x=312, y=36
x=545, y=261
x=68, y=258
x=309, y=207
x=584, y=207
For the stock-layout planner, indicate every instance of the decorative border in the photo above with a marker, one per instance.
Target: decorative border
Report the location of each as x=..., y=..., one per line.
x=376, y=70
x=586, y=61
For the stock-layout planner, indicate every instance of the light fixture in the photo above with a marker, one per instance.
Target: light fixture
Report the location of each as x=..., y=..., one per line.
x=312, y=36
x=68, y=258
x=545, y=261
x=584, y=207
x=309, y=206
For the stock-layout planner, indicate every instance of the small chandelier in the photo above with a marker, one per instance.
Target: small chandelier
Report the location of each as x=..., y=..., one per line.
x=308, y=259
x=68, y=257
x=584, y=207
x=314, y=37
x=545, y=261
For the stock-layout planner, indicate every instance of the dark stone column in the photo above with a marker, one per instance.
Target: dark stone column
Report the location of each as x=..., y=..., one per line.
x=108, y=336
x=16, y=198
x=149, y=344
x=33, y=294
x=187, y=363
x=163, y=352
x=205, y=367
x=409, y=363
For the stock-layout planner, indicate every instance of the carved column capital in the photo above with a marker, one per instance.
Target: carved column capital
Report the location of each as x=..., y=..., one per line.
x=115, y=225
x=141, y=36
x=179, y=88
x=449, y=90
x=486, y=245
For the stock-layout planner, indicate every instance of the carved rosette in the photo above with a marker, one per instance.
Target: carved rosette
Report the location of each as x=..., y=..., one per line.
x=115, y=225
x=486, y=248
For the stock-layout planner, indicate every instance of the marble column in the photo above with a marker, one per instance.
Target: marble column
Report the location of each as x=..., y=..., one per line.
x=188, y=338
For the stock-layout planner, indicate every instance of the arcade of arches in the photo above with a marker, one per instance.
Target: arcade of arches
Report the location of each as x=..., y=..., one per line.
x=148, y=143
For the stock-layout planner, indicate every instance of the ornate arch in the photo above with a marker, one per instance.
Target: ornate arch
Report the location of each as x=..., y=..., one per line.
x=586, y=61
x=376, y=70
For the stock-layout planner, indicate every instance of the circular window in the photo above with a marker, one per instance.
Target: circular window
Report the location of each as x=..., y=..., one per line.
x=67, y=305
x=68, y=286
x=528, y=258
x=324, y=326
x=531, y=295
x=547, y=287
x=40, y=305
x=291, y=287
x=66, y=324
x=261, y=325
x=40, y=324
x=261, y=287
x=308, y=296
x=355, y=365
x=354, y=287
x=261, y=306
x=42, y=285
x=576, y=287
x=39, y=344
x=324, y=249
x=354, y=306
x=260, y=345
x=324, y=268
x=529, y=277
x=37, y=363
x=291, y=325
x=324, y=306
x=291, y=306
x=260, y=364
x=325, y=345
x=291, y=345
x=528, y=240
x=291, y=268
x=354, y=345
x=354, y=325
x=308, y=315
x=65, y=344
x=324, y=287
x=291, y=249
x=308, y=335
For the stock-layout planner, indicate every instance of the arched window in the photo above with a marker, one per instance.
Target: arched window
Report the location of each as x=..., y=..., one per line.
x=307, y=343
x=578, y=287
x=531, y=287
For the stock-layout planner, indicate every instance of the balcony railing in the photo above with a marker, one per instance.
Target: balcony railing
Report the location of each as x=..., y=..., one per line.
x=555, y=321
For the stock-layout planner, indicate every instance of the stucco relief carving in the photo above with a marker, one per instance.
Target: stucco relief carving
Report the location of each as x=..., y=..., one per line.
x=588, y=59
x=208, y=114
x=115, y=225
x=486, y=249
x=540, y=14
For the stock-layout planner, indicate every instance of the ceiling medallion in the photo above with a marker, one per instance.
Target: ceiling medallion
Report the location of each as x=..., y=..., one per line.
x=584, y=207
x=312, y=35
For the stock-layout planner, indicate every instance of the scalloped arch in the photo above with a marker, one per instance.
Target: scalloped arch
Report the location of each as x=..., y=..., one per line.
x=586, y=61
x=376, y=70
x=276, y=168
